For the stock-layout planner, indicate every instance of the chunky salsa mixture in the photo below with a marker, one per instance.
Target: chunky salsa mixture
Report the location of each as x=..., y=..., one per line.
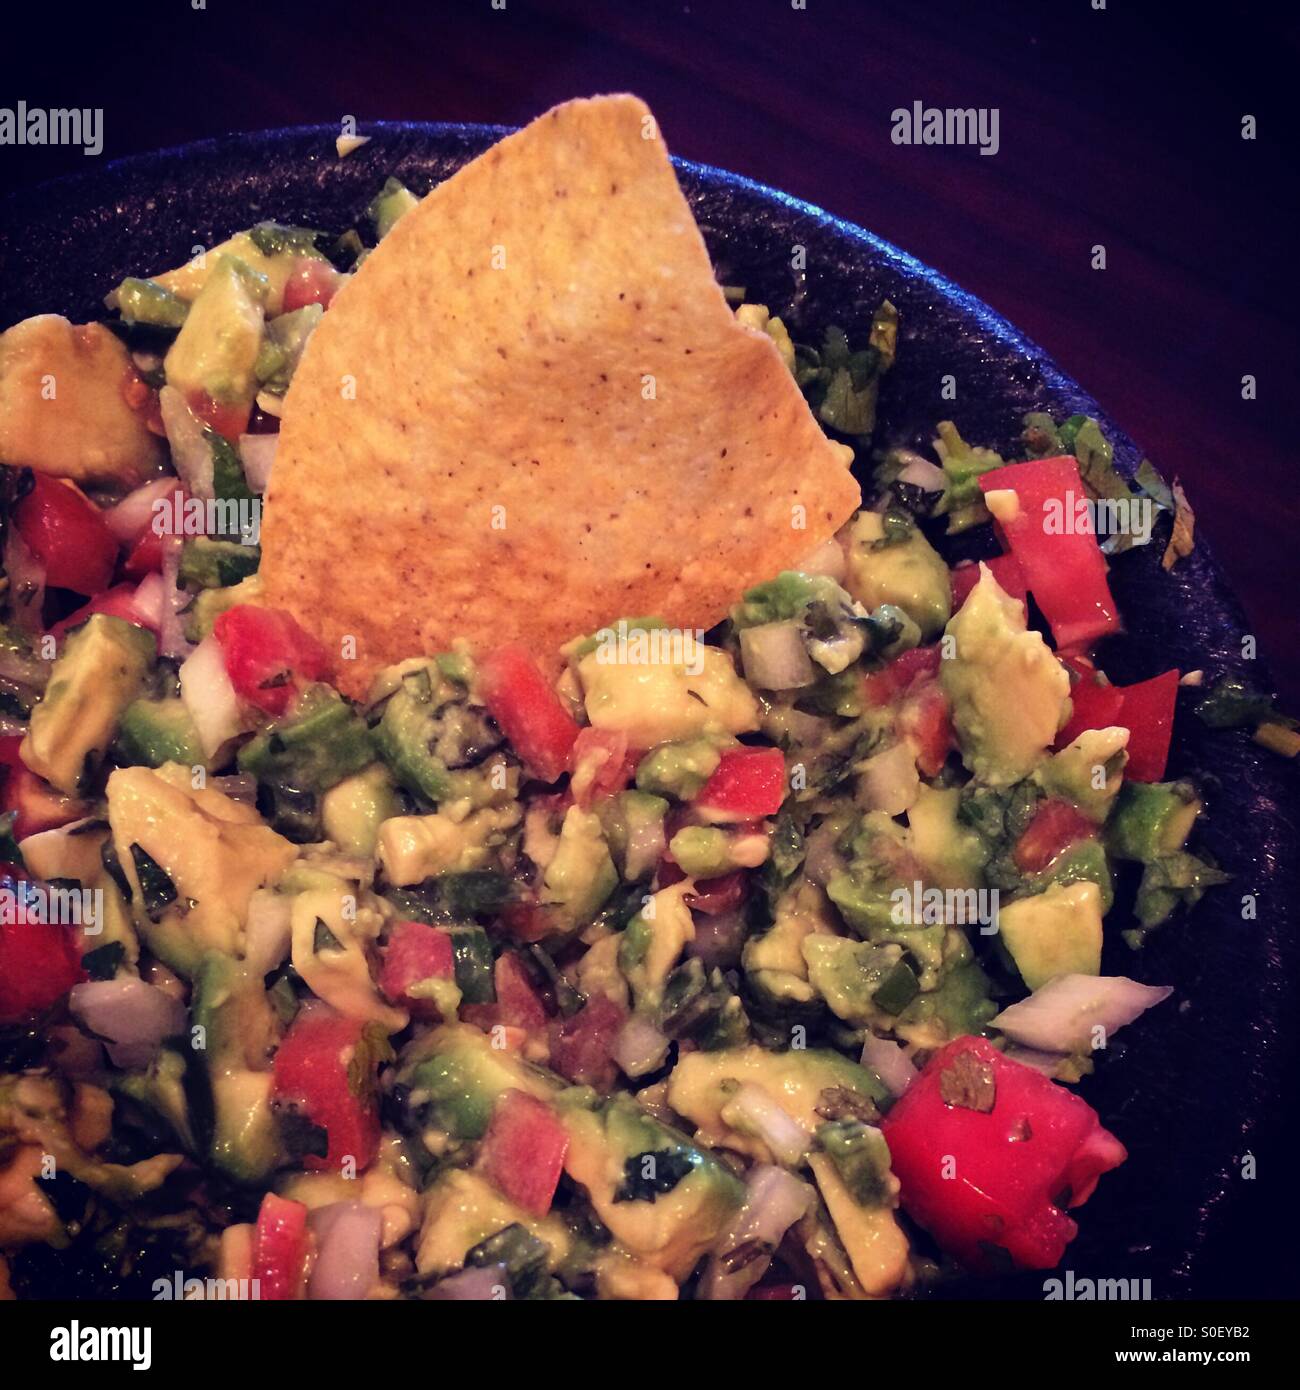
x=760, y=963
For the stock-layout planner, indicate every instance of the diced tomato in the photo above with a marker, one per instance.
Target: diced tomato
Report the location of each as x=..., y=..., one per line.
x=1093, y=706
x=39, y=961
x=1005, y=569
x=528, y=921
x=1063, y=567
x=280, y=1248
x=746, y=784
x=414, y=954
x=518, y=1004
x=713, y=896
x=267, y=655
x=1146, y=710
x=600, y=764
x=529, y=712
x=322, y=1068
x=146, y=557
x=523, y=1150
x=983, y=1166
x=229, y=419
x=1148, y=715
x=882, y=688
x=117, y=602
x=582, y=1046
x=925, y=722
x=66, y=532
x=311, y=281
x=1055, y=826
x=38, y=806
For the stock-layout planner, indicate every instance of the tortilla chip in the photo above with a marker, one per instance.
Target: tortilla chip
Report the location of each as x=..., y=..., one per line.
x=532, y=412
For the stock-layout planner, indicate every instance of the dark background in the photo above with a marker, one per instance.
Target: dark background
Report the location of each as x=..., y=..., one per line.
x=1119, y=126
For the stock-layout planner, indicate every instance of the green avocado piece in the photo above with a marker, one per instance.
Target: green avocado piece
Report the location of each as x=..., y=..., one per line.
x=217, y=564
x=145, y=301
x=678, y=769
x=393, y=201
x=161, y=1089
x=154, y=732
x=323, y=741
x=353, y=809
x=238, y=1037
x=849, y=976
x=100, y=671
x=1084, y=861
x=581, y=875
x=1152, y=820
x=217, y=347
x=633, y=822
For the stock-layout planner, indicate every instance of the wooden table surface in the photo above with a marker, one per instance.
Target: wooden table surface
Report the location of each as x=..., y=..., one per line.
x=1119, y=126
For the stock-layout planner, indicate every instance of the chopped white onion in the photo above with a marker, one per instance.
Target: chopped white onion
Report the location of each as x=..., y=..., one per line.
x=257, y=452
x=753, y=1110
x=209, y=696
x=191, y=452
x=240, y=786
x=347, y=1250
x=775, y=657
x=890, y=1062
x=134, y=514
x=267, y=931
x=1061, y=1015
x=131, y=1016
x=482, y=1284
x=828, y=559
x=640, y=1047
x=888, y=781
x=149, y=601
x=172, y=641
x=719, y=938
x=645, y=847
x=774, y=1201
x=920, y=472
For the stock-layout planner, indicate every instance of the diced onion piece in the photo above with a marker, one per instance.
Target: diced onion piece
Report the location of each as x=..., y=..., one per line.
x=920, y=472
x=191, y=452
x=150, y=601
x=774, y=1201
x=267, y=933
x=209, y=696
x=132, y=1017
x=172, y=641
x=482, y=1284
x=753, y=1110
x=775, y=657
x=347, y=1250
x=1061, y=1015
x=257, y=451
x=828, y=559
x=645, y=847
x=133, y=515
x=888, y=781
x=640, y=1047
x=890, y=1062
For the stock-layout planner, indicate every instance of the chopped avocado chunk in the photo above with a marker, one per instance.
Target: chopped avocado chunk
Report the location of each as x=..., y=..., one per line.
x=581, y=874
x=653, y=942
x=678, y=769
x=1152, y=820
x=146, y=301
x=1009, y=693
x=209, y=604
x=701, y=851
x=353, y=809
x=1087, y=773
x=876, y=1246
x=216, y=349
x=633, y=822
x=1056, y=932
x=393, y=201
x=99, y=672
x=898, y=566
x=207, y=563
x=323, y=741
x=414, y=848
x=851, y=976
x=154, y=732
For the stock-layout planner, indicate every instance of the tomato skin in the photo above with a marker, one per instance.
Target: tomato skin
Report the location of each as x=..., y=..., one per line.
x=67, y=533
x=230, y=420
x=523, y=1151
x=311, y=1071
x=38, y=806
x=1146, y=710
x=146, y=557
x=280, y=1248
x=713, y=896
x=312, y=281
x=528, y=921
x=925, y=722
x=39, y=961
x=266, y=654
x=582, y=1046
x=600, y=764
x=1007, y=1167
x=1066, y=573
x=415, y=952
x=529, y=712
x=1005, y=569
x=747, y=783
x=1055, y=826
x=883, y=687
x=518, y=1004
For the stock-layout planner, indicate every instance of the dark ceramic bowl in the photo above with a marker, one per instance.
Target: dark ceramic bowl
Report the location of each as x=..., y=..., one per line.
x=1200, y=1082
